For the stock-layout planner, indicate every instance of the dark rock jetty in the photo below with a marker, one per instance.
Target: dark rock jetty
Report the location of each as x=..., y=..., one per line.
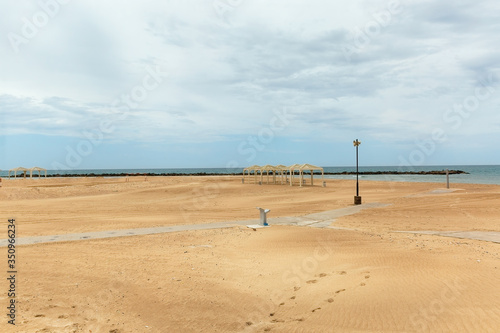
x=148, y=174
x=437, y=172
x=442, y=172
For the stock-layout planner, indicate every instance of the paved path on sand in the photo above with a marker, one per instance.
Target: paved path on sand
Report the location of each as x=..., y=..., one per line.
x=490, y=236
x=316, y=220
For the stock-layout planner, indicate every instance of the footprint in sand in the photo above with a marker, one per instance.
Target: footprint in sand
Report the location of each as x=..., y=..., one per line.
x=316, y=309
x=342, y=272
x=293, y=297
x=339, y=291
x=296, y=288
x=362, y=284
x=322, y=275
x=367, y=276
x=311, y=281
x=330, y=300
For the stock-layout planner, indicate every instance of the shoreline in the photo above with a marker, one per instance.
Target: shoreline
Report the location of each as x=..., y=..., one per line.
x=7, y=182
x=176, y=174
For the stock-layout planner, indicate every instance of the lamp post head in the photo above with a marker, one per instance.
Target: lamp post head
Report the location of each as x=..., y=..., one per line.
x=356, y=143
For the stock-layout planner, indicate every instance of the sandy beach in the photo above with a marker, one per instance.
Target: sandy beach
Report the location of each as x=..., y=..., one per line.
x=371, y=272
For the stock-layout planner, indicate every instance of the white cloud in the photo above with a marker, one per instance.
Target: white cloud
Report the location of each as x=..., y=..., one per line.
x=226, y=74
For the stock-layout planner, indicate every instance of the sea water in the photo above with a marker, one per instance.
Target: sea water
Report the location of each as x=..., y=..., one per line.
x=477, y=174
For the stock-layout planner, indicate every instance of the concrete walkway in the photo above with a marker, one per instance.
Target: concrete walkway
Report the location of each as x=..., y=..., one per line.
x=324, y=219
x=316, y=220
x=117, y=233
x=489, y=236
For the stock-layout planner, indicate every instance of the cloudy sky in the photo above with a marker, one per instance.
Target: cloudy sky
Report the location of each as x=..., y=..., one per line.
x=185, y=83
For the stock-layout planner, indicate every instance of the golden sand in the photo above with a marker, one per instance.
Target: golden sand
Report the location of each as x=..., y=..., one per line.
x=279, y=279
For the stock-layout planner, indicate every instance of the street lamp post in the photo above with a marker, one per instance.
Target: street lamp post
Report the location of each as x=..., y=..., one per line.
x=357, y=198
